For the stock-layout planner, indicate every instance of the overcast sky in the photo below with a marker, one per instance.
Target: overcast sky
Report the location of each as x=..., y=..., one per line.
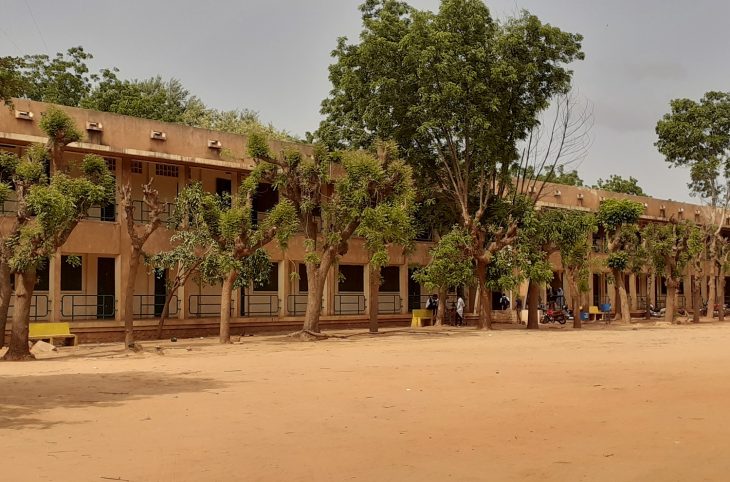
x=272, y=56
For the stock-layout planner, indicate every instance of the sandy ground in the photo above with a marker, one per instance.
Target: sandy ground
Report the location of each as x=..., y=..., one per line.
x=603, y=404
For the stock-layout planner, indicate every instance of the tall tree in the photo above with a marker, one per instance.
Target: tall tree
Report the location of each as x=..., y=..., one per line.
x=619, y=218
x=458, y=92
x=672, y=247
x=48, y=212
x=616, y=183
x=138, y=236
x=11, y=80
x=696, y=135
x=331, y=208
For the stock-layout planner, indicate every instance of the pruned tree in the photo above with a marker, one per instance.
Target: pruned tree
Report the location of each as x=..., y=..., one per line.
x=450, y=265
x=672, y=247
x=459, y=92
x=138, y=236
x=237, y=259
x=696, y=135
x=331, y=208
x=191, y=244
x=48, y=212
x=619, y=218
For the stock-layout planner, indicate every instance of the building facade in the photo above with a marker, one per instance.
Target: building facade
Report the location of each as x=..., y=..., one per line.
x=137, y=150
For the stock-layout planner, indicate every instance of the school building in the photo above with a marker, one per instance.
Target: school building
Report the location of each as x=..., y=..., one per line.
x=136, y=150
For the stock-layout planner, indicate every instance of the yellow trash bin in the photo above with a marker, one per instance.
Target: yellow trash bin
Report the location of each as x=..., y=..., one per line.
x=418, y=317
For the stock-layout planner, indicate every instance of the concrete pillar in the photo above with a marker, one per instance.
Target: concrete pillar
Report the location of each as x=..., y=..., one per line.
x=121, y=262
x=330, y=288
x=403, y=286
x=632, y=291
x=285, y=285
x=366, y=288
x=54, y=287
x=118, y=288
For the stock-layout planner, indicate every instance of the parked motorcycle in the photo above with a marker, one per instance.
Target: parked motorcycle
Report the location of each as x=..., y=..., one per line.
x=654, y=313
x=552, y=316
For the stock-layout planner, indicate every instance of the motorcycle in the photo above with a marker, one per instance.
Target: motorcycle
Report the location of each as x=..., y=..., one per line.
x=654, y=313
x=552, y=316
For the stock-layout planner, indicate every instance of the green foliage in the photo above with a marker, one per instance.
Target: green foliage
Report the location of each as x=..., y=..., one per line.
x=63, y=79
x=450, y=265
x=673, y=246
x=558, y=175
x=615, y=213
x=54, y=208
x=11, y=80
x=59, y=127
x=696, y=134
x=8, y=164
x=616, y=183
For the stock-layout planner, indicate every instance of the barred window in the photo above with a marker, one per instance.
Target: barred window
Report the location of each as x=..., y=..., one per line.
x=111, y=163
x=166, y=170
x=136, y=167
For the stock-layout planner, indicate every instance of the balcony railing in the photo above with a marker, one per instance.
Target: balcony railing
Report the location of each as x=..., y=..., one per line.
x=77, y=307
x=389, y=303
x=260, y=305
x=205, y=305
x=40, y=307
x=353, y=304
x=151, y=306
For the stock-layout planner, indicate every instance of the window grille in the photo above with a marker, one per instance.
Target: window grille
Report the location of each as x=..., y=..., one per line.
x=166, y=170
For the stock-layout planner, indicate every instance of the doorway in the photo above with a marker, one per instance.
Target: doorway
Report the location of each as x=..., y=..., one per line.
x=105, y=288
x=414, y=292
x=160, y=291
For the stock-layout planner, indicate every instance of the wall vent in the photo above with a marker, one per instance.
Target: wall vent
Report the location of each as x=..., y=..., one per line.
x=24, y=115
x=158, y=136
x=94, y=126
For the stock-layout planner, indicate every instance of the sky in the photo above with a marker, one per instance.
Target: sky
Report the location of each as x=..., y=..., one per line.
x=271, y=56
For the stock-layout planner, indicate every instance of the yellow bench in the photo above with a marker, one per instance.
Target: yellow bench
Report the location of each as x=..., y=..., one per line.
x=419, y=316
x=51, y=331
x=594, y=312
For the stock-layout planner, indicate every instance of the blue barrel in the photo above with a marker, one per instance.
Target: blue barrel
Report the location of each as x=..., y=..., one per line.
x=605, y=307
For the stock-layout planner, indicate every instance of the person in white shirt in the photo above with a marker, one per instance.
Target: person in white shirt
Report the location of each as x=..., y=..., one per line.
x=459, y=311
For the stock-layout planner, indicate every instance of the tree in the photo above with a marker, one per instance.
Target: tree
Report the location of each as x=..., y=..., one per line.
x=696, y=135
x=138, y=236
x=8, y=165
x=237, y=258
x=450, y=265
x=559, y=176
x=458, y=92
x=48, y=212
x=332, y=208
x=63, y=79
x=671, y=248
x=619, y=218
x=11, y=80
x=616, y=183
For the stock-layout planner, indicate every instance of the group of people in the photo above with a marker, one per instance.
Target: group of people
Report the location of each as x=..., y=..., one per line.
x=432, y=303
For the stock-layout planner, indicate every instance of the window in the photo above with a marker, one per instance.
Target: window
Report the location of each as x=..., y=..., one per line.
x=223, y=189
x=265, y=198
x=303, y=284
x=136, y=167
x=272, y=284
x=351, y=279
x=71, y=276
x=391, y=278
x=166, y=170
x=111, y=164
x=42, y=275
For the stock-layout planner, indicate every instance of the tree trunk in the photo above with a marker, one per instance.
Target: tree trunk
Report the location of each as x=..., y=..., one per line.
x=671, y=297
x=617, y=284
x=623, y=298
x=374, y=278
x=24, y=286
x=441, y=309
x=485, y=299
x=696, y=298
x=6, y=293
x=129, y=299
x=711, y=299
x=166, y=308
x=225, y=328
x=575, y=298
x=533, y=292
x=721, y=296
x=316, y=278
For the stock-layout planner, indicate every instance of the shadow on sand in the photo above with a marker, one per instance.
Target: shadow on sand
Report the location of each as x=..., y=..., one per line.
x=23, y=398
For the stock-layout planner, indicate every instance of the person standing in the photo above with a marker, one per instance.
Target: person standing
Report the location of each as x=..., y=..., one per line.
x=433, y=305
x=460, y=311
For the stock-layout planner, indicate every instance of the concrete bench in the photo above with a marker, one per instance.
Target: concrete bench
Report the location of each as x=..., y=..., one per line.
x=52, y=331
x=419, y=316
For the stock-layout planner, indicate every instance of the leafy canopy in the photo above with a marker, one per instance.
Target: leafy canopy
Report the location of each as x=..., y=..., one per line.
x=616, y=183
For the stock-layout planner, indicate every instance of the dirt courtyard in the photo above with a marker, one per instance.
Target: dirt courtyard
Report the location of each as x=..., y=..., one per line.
x=603, y=404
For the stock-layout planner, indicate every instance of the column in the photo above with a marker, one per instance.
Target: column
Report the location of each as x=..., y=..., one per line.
x=284, y=288
x=54, y=287
x=330, y=286
x=121, y=262
x=403, y=287
x=366, y=288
